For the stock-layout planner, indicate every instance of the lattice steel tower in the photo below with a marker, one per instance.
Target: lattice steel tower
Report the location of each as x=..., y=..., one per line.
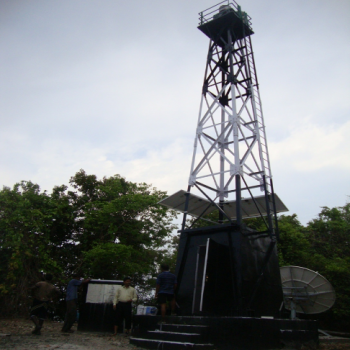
x=230, y=165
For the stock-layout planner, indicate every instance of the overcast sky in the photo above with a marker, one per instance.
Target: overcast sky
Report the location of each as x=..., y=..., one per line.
x=113, y=87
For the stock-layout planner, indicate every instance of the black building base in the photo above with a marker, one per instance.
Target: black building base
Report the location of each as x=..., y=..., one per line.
x=96, y=318
x=238, y=333
x=227, y=270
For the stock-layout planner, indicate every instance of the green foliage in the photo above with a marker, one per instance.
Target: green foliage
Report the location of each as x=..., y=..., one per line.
x=112, y=261
x=26, y=217
x=330, y=232
x=113, y=210
x=338, y=273
x=169, y=257
x=293, y=246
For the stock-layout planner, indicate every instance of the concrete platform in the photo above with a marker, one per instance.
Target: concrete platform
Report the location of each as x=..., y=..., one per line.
x=168, y=345
x=226, y=333
x=334, y=340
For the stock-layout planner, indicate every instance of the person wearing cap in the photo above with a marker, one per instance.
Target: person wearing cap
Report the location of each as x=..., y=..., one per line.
x=71, y=302
x=122, y=304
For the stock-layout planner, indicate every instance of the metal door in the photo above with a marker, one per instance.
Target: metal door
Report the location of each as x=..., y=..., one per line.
x=200, y=277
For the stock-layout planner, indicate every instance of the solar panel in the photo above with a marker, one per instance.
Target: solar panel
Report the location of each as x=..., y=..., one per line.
x=197, y=205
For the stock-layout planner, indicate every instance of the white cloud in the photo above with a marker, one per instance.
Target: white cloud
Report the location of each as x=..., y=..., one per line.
x=311, y=147
x=166, y=168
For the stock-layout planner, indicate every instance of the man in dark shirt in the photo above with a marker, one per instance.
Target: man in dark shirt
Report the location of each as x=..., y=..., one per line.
x=165, y=290
x=71, y=302
x=43, y=293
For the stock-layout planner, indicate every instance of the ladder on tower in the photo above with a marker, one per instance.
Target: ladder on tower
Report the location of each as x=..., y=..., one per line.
x=263, y=149
x=258, y=108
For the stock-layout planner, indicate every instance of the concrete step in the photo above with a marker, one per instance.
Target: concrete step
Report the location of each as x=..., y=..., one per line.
x=168, y=345
x=187, y=328
x=174, y=336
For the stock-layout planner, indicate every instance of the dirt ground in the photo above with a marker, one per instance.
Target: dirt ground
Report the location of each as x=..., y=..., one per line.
x=334, y=346
x=16, y=334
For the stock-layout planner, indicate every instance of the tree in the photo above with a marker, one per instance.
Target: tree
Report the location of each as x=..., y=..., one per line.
x=114, y=211
x=105, y=228
x=293, y=246
x=330, y=232
x=329, y=237
x=26, y=217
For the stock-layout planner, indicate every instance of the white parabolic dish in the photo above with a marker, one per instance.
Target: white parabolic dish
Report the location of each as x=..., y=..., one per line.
x=310, y=291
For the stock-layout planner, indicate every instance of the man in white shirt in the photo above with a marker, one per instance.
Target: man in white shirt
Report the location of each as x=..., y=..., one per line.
x=122, y=303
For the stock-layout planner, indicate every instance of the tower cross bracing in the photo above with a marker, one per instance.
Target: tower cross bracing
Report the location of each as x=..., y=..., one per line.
x=230, y=169
x=230, y=137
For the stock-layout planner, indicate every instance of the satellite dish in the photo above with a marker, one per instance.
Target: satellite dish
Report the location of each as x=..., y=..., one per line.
x=305, y=291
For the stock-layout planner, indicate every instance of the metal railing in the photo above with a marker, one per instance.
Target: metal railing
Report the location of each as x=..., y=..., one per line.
x=223, y=8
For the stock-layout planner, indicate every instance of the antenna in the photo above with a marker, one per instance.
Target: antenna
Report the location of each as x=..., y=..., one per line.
x=305, y=291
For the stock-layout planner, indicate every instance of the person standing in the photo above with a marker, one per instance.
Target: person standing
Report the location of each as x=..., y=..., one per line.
x=71, y=302
x=122, y=304
x=165, y=290
x=43, y=292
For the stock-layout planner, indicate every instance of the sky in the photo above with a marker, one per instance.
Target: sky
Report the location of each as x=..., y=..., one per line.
x=113, y=87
